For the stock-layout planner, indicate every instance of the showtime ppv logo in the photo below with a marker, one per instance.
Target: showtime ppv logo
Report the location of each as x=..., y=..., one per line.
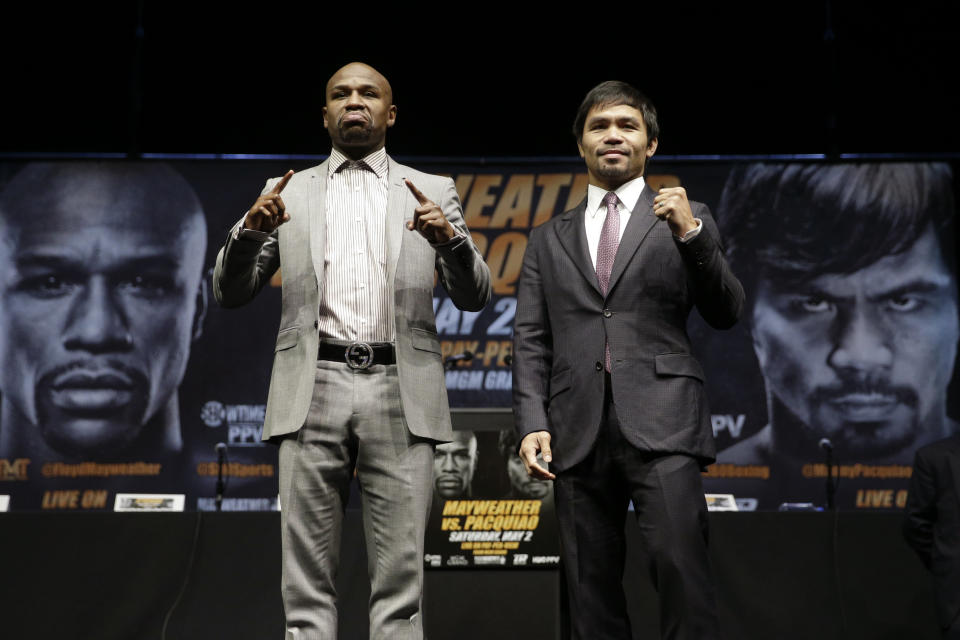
x=244, y=422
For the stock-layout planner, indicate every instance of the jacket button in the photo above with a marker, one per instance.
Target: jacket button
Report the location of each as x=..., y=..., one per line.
x=316, y=324
x=598, y=366
x=607, y=313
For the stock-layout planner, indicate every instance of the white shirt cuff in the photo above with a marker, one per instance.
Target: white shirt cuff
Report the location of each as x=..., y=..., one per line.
x=693, y=233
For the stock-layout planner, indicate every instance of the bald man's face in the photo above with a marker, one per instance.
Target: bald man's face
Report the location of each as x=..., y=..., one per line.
x=98, y=306
x=454, y=464
x=359, y=110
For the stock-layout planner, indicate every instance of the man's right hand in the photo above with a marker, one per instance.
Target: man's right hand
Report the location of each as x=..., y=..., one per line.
x=530, y=446
x=268, y=212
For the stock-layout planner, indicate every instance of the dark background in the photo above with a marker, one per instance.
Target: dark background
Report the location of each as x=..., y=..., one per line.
x=480, y=79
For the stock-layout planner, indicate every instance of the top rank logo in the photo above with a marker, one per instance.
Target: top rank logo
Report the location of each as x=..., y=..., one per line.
x=244, y=421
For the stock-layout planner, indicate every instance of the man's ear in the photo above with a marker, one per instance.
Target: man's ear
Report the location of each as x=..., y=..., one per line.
x=203, y=297
x=652, y=147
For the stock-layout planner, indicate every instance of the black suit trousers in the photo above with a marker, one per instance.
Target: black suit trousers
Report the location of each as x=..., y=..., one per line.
x=592, y=499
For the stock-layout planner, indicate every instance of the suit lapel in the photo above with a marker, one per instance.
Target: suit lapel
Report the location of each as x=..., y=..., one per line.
x=396, y=214
x=641, y=222
x=316, y=219
x=573, y=238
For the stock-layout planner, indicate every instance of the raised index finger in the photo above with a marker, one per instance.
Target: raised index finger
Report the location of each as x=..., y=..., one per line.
x=277, y=188
x=422, y=199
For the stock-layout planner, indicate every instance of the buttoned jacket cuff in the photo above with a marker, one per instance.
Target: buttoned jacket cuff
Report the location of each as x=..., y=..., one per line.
x=451, y=243
x=239, y=233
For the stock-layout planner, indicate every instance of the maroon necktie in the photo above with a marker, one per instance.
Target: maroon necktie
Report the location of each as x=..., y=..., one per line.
x=607, y=251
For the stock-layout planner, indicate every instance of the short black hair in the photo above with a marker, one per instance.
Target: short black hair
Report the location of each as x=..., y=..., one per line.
x=612, y=93
x=790, y=223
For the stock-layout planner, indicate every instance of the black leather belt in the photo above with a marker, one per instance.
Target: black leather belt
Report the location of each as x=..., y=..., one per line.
x=357, y=355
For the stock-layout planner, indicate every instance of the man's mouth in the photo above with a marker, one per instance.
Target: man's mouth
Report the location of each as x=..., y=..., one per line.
x=353, y=118
x=863, y=406
x=91, y=391
x=537, y=488
x=613, y=153
x=448, y=482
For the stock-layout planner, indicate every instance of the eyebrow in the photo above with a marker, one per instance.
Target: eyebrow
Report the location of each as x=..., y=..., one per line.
x=362, y=87
x=917, y=285
x=620, y=118
x=40, y=260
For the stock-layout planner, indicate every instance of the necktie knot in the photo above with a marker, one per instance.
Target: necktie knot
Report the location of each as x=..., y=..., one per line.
x=357, y=165
x=610, y=199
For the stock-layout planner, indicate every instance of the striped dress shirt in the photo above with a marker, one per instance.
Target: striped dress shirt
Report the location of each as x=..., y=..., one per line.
x=355, y=302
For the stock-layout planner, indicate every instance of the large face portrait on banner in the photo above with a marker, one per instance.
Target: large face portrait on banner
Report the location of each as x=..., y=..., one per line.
x=101, y=295
x=454, y=465
x=852, y=306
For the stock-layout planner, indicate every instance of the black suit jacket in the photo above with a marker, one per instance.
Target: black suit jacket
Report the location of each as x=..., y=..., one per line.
x=932, y=524
x=562, y=320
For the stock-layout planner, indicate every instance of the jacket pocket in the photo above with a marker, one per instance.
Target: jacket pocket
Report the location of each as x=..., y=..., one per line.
x=424, y=340
x=287, y=338
x=678, y=364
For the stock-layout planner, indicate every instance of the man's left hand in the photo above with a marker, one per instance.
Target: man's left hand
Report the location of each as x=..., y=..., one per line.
x=671, y=204
x=428, y=219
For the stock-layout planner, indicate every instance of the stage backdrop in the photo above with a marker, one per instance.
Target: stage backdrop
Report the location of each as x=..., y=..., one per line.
x=121, y=374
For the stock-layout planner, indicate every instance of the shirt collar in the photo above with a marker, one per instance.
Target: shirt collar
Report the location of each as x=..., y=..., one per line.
x=375, y=162
x=628, y=193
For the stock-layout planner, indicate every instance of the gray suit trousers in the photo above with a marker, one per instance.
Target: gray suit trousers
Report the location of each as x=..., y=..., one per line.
x=355, y=422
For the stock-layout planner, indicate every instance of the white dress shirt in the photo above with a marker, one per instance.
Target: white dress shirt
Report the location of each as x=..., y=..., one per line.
x=627, y=195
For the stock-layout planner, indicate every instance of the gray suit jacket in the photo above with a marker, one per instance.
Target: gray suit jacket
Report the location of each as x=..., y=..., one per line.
x=244, y=267
x=562, y=320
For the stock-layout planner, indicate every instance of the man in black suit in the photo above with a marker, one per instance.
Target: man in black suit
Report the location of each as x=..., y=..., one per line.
x=932, y=525
x=605, y=385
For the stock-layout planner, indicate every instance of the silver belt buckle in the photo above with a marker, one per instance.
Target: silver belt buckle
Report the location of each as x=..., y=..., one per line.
x=359, y=355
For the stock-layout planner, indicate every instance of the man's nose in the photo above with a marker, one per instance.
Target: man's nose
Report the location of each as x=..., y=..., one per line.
x=96, y=322
x=354, y=101
x=448, y=464
x=612, y=135
x=862, y=343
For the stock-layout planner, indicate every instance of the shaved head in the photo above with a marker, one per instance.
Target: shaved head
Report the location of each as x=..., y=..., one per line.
x=146, y=195
x=360, y=69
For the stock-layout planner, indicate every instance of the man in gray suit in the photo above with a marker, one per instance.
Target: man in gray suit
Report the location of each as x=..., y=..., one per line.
x=605, y=385
x=357, y=381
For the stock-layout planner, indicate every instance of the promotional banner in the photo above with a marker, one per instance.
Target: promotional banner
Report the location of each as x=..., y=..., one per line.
x=487, y=512
x=121, y=374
